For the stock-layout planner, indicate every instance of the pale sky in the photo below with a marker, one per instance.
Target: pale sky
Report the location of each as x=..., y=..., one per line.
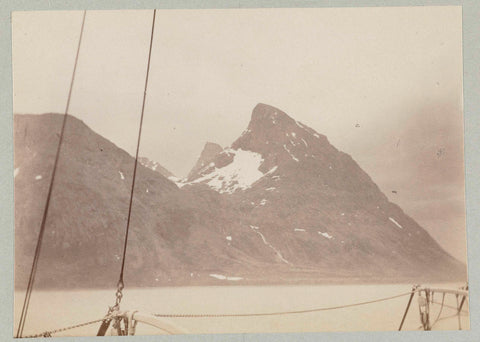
x=396, y=72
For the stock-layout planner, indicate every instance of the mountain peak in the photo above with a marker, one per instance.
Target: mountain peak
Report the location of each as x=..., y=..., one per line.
x=264, y=113
x=279, y=138
x=210, y=150
x=211, y=146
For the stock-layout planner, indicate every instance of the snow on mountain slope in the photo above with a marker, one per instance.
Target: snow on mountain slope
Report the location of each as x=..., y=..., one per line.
x=241, y=173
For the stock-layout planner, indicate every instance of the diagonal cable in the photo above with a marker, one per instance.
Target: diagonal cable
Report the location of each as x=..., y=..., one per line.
x=120, y=280
x=33, y=271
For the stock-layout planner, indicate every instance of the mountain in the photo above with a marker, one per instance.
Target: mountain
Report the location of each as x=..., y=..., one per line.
x=280, y=205
x=314, y=206
x=155, y=166
x=86, y=223
x=210, y=150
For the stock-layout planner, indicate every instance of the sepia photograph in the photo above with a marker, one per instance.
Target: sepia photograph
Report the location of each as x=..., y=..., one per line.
x=242, y=170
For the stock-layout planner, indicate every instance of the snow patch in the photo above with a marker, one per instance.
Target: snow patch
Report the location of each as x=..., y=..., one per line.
x=325, y=235
x=270, y=189
x=306, y=145
x=218, y=276
x=309, y=131
x=222, y=277
x=274, y=116
x=241, y=173
x=279, y=255
x=15, y=172
x=229, y=238
x=121, y=175
x=395, y=222
x=178, y=181
x=272, y=170
x=294, y=135
x=290, y=153
x=299, y=125
x=245, y=132
x=299, y=230
x=38, y=177
x=263, y=202
x=203, y=169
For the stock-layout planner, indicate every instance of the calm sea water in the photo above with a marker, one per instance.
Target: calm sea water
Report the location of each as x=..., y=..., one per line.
x=55, y=309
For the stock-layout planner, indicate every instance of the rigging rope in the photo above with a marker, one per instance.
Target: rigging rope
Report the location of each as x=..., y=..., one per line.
x=284, y=312
x=120, y=284
x=33, y=271
x=443, y=318
x=441, y=309
x=448, y=306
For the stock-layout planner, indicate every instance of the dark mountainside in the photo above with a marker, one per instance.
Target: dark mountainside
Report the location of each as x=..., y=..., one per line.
x=281, y=205
x=86, y=224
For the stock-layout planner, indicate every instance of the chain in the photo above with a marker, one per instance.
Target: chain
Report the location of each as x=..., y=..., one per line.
x=110, y=315
x=118, y=297
x=49, y=333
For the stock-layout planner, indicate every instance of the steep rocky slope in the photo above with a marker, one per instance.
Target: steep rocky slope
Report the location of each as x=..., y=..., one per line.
x=87, y=218
x=280, y=205
x=315, y=207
